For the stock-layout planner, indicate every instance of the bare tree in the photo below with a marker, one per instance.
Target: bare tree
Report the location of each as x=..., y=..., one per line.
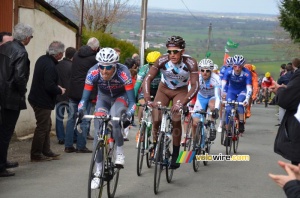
x=100, y=14
x=284, y=43
x=58, y=4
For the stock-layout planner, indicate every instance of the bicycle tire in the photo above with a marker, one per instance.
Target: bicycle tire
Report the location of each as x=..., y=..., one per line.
x=223, y=132
x=228, y=143
x=197, y=147
x=149, y=160
x=206, y=150
x=112, y=184
x=140, y=150
x=93, y=167
x=236, y=136
x=158, y=162
x=188, y=135
x=168, y=153
x=267, y=98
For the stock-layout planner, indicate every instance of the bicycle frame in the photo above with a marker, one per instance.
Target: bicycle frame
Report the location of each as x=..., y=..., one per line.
x=147, y=120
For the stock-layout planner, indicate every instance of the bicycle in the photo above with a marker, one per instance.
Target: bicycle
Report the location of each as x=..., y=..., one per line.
x=188, y=134
x=232, y=134
x=163, y=153
x=144, y=139
x=202, y=143
x=105, y=145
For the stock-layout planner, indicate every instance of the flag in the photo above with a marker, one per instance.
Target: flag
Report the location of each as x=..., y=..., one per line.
x=225, y=58
x=231, y=44
x=226, y=50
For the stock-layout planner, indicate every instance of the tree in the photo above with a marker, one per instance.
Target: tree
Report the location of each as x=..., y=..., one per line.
x=58, y=4
x=290, y=18
x=98, y=15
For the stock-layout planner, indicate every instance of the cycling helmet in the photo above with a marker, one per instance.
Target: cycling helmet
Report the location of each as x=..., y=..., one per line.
x=267, y=75
x=238, y=60
x=215, y=67
x=107, y=56
x=206, y=64
x=229, y=61
x=175, y=41
x=152, y=56
x=253, y=67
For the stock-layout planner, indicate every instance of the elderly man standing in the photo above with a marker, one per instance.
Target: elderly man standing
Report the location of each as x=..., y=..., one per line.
x=42, y=97
x=83, y=60
x=14, y=74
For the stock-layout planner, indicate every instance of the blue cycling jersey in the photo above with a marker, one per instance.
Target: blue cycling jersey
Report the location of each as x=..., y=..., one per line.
x=237, y=83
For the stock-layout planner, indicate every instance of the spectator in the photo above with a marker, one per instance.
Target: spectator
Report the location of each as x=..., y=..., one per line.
x=291, y=182
x=42, y=97
x=282, y=69
x=83, y=60
x=13, y=81
x=130, y=63
x=287, y=142
x=62, y=101
x=136, y=58
x=118, y=51
x=5, y=37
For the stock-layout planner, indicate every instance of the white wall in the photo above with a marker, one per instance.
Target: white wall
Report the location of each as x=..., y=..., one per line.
x=46, y=30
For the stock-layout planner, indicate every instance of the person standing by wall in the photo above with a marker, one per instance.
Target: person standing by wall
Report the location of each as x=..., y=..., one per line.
x=14, y=76
x=62, y=101
x=5, y=37
x=42, y=97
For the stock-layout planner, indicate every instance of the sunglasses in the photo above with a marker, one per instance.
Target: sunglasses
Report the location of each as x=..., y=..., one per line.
x=205, y=70
x=237, y=66
x=107, y=67
x=174, y=51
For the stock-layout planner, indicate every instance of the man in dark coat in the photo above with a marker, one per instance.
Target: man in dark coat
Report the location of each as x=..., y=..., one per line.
x=14, y=74
x=64, y=69
x=83, y=60
x=287, y=142
x=42, y=97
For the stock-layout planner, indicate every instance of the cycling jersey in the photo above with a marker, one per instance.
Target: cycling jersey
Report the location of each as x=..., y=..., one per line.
x=221, y=74
x=119, y=84
x=209, y=89
x=267, y=82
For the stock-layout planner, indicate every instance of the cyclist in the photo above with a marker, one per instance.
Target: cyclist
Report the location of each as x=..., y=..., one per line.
x=151, y=58
x=115, y=93
x=254, y=88
x=177, y=69
x=239, y=84
x=224, y=93
x=208, y=95
x=267, y=81
x=216, y=69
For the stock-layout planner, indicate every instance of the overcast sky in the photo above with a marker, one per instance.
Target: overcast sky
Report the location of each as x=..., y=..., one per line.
x=231, y=6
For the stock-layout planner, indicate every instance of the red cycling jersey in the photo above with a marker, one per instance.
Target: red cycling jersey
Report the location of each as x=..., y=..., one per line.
x=267, y=82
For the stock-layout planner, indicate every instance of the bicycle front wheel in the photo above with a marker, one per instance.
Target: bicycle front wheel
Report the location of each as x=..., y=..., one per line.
x=158, y=162
x=188, y=135
x=112, y=174
x=94, y=175
x=197, y=147
x=236, y=137
x=141, y=150
x=267, y=98
x=228, y=144
x=223, y=132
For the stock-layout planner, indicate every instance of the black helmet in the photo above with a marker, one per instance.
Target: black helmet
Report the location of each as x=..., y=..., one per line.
x=175, y=41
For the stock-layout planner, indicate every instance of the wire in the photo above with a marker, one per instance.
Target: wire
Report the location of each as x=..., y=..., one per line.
x=189, y=11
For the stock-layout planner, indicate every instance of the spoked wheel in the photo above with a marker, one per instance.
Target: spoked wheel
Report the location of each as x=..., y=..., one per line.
x=236, y=138
x=149, y=159
x=169, y=172
x=228, y=143
x=112, y=174
x=207, y=150
x=95, y=176
x=197, y=147
x=267, y=98
x=140, y=150
x=223, y=133
x=158, y=162
x=188, y=135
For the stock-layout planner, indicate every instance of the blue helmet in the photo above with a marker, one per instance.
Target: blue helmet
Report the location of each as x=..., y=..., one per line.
x=238, y=60
x=229, y=62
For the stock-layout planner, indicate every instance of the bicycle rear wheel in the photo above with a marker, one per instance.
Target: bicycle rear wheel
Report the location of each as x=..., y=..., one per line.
x=92, y=172
x=197, y=147
x=140, y=150
x=188, y=135
x=223, y=132
x=158, y=162
x=149, y=159
x=206, y=150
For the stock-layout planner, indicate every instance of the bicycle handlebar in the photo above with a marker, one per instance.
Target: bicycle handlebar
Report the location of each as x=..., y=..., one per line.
x=233, y=102
x=104, y=117
x=201, y=112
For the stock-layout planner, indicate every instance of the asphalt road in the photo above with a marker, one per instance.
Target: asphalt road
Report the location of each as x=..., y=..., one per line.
x=67, y=177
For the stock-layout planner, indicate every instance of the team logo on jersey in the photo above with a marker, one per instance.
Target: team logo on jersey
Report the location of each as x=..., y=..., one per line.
x=246, y=75
x=95, y=72
x=124, y=76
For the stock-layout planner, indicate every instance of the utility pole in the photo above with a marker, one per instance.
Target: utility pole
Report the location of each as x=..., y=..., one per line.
x=209, y=35
x=143, y=31
x=80, y=24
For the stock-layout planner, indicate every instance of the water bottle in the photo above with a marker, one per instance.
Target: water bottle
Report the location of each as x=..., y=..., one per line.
x=110, y=143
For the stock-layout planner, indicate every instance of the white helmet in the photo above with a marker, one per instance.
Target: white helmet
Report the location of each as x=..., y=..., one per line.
x=107, y=55
x=206, y=64
x=215, y=67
